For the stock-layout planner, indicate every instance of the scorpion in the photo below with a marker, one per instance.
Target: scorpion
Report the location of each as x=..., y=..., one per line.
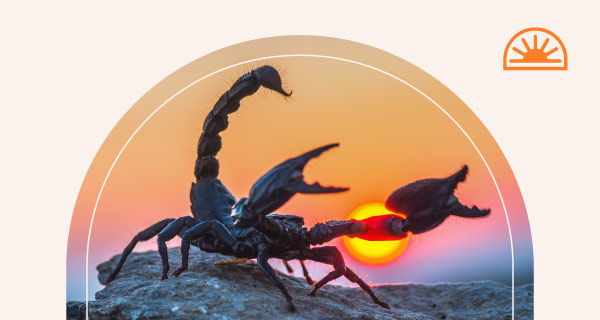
x=249, y=228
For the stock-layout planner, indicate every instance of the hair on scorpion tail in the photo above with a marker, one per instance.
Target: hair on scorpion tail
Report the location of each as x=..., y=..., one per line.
x=217, y=119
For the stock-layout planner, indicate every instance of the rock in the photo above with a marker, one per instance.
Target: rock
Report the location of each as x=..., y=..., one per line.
x=242, y=291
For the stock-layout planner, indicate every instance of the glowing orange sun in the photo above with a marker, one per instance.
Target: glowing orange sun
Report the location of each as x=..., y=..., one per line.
x=373, y=252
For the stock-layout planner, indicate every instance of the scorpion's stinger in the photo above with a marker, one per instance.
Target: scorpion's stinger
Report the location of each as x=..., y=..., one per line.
x=268, y=77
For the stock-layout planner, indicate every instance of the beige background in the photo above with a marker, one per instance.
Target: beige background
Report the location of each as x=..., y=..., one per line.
x=60, y=99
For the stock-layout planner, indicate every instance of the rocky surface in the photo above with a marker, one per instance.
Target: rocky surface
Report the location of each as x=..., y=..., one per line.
x=242, y=291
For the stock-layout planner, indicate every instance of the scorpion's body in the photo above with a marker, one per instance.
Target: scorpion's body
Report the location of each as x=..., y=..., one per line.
x=289, y=247
x=248, y=229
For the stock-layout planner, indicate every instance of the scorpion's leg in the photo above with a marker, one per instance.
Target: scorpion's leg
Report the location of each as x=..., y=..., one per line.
x=309, y=280
x=331, y=255
x=350, y=275
x=287, y=266
x=198, y=231
x=144, y=235
x=263, y=264
x=290, y=270
x=168, y=233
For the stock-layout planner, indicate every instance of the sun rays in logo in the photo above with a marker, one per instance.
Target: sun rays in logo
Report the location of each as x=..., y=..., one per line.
x=524, y=52
x=535, y=54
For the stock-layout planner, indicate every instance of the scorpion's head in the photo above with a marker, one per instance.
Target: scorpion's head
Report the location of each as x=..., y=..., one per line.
x=427, y=203
x=278, y=186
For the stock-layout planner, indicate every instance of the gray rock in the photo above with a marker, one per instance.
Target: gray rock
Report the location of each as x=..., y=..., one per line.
x=242, y=291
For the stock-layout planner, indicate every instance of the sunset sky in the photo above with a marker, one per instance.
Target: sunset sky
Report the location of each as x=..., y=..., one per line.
x=389, y=135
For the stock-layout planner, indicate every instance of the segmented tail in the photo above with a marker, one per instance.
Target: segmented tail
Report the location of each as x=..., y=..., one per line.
x=217, y=120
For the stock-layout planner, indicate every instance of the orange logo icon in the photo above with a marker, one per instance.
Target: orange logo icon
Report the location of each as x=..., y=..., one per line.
x=523, y=51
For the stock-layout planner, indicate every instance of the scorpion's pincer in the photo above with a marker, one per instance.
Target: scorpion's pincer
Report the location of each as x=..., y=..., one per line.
x=278, y=186
x=427, y=203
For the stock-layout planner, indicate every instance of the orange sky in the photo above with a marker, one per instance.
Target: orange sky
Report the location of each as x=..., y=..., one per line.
x=390, y=135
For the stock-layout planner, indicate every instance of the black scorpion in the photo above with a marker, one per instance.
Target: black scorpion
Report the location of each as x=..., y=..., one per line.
x=248, y=228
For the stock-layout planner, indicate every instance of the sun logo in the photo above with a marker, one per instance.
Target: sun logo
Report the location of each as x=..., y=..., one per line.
x=524, y=52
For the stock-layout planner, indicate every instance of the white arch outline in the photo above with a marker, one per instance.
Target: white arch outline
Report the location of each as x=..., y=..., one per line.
x=287, y=56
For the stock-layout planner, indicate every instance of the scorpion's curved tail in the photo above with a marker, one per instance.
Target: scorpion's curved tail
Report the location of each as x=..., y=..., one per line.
x=216, y=121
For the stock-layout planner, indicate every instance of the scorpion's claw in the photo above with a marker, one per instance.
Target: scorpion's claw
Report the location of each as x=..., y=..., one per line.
x=303, y=187
x=427, y=203
x=458, y=209
x=278, y=186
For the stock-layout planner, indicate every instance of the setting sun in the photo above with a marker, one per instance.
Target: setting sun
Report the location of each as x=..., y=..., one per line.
x=373, y=252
